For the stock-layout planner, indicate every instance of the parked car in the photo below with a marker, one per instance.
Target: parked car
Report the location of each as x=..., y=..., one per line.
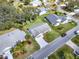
x=76, y=32
x=6, y=57
x=63, y=34
x=76, y=52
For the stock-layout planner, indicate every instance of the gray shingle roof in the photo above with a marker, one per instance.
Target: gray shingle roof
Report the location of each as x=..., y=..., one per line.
x=10, y=39
x=52, y=18
x=39, y=28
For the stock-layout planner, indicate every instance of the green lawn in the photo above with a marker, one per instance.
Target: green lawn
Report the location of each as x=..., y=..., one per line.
x=50, y=36
x=76, y=40
x=24, y=49
x=64, y=52
x=62, y=28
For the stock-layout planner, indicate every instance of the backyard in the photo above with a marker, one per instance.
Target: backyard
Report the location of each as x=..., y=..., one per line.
x=24, y=49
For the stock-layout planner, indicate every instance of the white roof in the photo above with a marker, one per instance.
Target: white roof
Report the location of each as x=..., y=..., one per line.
x=76, y=10
x=72, y=13
x=42, y=10
x=10, y=39
x=35, y=3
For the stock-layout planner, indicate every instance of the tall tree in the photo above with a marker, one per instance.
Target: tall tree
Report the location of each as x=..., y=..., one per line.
x=7, y=15
x=30, y=13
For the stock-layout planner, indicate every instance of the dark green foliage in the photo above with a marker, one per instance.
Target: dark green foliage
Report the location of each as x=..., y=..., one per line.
x=71, y=5
x=30, y=13
x=10, y=18
x=7, y=16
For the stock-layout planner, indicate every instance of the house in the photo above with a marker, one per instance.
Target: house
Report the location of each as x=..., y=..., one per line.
x=36, y=3
x=52, y=18
x=76, y=11
x=9, y=40
x=56, y=20
x=63, y=5
x=42, y=10
x=39, y=28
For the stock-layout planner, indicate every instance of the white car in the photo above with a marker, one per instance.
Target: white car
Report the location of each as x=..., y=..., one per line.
x=77, y=32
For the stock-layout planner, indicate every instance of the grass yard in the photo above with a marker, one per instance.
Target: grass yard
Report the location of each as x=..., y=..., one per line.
x=62, y=28
x=24, y=49
x=50, y=36
x=76, y=40
x=64, y=52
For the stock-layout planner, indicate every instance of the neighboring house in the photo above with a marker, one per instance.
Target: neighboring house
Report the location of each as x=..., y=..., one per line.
x=9, y=40
x=52, y=18
x=39, y=28
x=42, y=10
x=57, y=1
x=36, y=3
x=76, y=11
x=70, y=15
x=63, y=5
x=56, y=20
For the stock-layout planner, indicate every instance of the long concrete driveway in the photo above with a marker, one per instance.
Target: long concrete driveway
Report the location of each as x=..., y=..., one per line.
x=42, y=43
x=39, y=39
